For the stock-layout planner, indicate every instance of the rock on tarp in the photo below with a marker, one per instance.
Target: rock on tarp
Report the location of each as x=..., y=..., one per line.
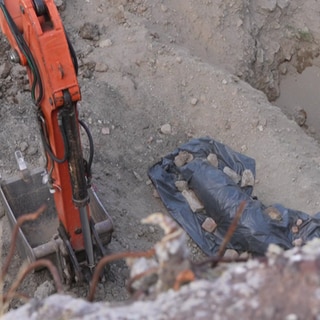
x=221, y=196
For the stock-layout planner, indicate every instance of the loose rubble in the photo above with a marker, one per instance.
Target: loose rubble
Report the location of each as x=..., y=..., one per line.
x=283, y=286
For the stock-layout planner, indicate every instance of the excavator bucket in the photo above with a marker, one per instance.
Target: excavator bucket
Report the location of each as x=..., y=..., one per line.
x=39, y=239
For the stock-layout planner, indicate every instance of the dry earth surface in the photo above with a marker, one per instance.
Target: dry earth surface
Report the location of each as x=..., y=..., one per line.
x=154, y=74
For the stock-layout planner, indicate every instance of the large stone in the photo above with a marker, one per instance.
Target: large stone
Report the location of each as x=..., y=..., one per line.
x=247, y=178
x=194, y=203
x=232, y=174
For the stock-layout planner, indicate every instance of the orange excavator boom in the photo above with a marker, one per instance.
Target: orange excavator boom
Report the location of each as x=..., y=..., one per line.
x=39, y=42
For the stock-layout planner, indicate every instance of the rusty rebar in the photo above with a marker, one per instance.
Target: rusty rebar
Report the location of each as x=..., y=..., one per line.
x=107, y=259
x=232, y=228
x=30, y=267
x=16, y=295
x=183, y=277
x=21, y=220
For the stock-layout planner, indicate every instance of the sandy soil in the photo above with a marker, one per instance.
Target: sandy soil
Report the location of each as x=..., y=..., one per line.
x=145, y=64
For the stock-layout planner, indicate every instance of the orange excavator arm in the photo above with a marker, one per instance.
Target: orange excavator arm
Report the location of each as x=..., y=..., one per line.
x=39, y=42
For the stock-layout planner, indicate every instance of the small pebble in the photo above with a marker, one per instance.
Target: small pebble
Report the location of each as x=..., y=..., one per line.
x=297, y=242
x=182, y=158
x=137, y=175
x=274, y=250
x=60, y=4
x=244, y=255
x=300, y=116
x=213, y=159
x=101, y=67
x=260, y=127
x=32, y=151
x=291, y=316
x=105, y=130
x=273, y=213
x=209, y=225
x=231, y=253
x=194, y=101
x=89, y=31
x=105, y=43
x=244, y=148
x=24, y=146
x=166, y=129
x=164, y=8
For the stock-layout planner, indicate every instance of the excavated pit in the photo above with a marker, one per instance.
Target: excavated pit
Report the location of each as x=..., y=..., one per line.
x=299, y=99
x=272, y=45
